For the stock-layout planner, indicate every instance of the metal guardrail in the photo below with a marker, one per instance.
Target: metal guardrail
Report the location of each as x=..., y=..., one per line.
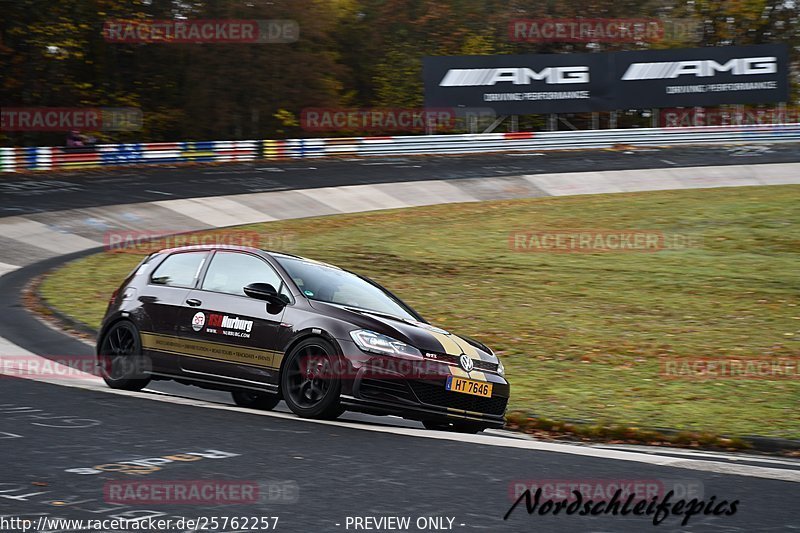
x=56, y=158
x=60, y=158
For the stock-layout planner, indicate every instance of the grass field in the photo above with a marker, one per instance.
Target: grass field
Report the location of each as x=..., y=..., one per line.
x=581, y=334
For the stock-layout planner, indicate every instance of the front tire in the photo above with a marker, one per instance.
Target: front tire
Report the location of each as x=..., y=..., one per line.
x=256, y=400
x=121, y=363
x=310, y=385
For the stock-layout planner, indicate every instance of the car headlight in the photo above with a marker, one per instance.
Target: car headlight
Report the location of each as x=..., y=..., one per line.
x=501, y=370
x=369, y=341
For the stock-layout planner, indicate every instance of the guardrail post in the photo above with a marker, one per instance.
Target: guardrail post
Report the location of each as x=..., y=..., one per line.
x=8, y=159
x=44, y=158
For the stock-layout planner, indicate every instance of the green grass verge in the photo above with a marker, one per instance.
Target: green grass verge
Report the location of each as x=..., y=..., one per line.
x=580, y=334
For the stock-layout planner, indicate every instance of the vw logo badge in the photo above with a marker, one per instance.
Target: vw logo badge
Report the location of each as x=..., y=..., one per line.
x=466, y=362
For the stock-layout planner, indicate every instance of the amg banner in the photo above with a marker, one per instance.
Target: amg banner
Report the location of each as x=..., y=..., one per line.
x=701, y=76
x=517, y=84
x=561, y=83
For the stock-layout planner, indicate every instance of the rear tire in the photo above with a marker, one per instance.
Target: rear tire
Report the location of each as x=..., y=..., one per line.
x=121, y=363
x=256, y=400
x=309, y=382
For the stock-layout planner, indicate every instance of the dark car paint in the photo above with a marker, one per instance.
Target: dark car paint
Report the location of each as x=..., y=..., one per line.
x=163, y=310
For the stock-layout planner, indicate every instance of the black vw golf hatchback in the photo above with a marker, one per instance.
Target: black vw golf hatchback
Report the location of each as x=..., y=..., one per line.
x=268, y=326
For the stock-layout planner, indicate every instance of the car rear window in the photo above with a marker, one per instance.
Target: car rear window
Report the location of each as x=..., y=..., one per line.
x=179, y=270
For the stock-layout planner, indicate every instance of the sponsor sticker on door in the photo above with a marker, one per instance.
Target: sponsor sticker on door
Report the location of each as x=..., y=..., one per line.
x=198, y=321
x=228, y=325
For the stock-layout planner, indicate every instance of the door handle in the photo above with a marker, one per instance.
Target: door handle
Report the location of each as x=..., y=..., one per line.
x=194, y=302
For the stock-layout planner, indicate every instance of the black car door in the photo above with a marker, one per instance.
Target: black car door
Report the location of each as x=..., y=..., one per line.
x=227, y=333
x=166, y=291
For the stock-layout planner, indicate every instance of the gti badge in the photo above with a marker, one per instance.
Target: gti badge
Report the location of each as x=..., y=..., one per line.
x=466, y=362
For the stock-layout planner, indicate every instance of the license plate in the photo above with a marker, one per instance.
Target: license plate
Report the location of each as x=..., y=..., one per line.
x=468, y=386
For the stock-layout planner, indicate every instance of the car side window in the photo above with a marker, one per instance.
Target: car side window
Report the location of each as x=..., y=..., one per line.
x=179, y=269
x=230, y=272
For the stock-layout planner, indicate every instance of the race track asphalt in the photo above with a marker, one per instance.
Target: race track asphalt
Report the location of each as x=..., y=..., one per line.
x=35, y=193
x=315, y=476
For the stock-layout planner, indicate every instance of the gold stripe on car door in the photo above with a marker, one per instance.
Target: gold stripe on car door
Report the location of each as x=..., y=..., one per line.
x=215, y=351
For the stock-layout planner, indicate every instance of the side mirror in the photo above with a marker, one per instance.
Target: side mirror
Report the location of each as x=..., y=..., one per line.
x=266, y=292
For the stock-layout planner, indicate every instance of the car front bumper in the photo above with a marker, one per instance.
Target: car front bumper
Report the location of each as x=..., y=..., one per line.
x=419, y=392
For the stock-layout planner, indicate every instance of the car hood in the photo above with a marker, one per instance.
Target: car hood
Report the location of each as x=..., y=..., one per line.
x=423, y=336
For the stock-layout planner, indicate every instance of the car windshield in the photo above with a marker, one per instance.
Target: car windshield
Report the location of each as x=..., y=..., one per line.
x=332, y=285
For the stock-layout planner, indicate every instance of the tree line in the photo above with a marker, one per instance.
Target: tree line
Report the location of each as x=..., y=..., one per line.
x=350, y=53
